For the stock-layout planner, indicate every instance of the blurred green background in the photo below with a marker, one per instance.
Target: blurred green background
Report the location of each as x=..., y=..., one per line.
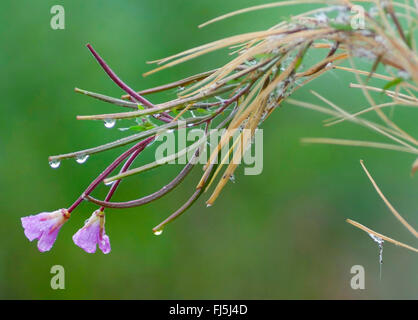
x=279, y=235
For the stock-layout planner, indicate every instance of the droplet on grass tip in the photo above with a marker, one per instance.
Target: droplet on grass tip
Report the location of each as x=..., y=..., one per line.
x=158, y=232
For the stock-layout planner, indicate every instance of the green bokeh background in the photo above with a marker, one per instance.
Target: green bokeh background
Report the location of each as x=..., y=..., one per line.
x=278, y=235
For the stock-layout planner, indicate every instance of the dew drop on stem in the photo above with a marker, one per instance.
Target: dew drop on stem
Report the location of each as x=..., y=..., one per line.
x=54, y=164
x=82, y=158
x=158, y=232
x=109, y=123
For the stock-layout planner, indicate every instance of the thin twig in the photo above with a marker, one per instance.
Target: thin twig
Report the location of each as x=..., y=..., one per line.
x=388, y=204
x=370, y=231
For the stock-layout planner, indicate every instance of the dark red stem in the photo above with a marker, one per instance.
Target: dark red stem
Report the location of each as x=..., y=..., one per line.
x=117, y=80
x=139, y=146
x=124, y=168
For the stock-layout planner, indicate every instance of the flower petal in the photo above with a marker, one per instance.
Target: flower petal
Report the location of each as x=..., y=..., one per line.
x=47, y=239
x=104, y=244
x=32, y=227
x=44, y=227
x=86, y=237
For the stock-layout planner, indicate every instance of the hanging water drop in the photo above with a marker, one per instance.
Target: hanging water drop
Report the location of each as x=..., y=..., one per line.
x=379, y=241
x=82, y=158
x=109, y=123
x=158, y=232
x=232, y=178
x=54, y=164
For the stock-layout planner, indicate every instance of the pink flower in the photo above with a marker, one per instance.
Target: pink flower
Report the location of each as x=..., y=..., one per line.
x=44, y=227
x=93, y=233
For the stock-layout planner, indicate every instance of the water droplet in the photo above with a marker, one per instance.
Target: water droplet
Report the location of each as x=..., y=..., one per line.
x=208, y=205
x=379, y=241
x=109, y=123
x=232, y=178
x=109, y=183
x=158, y=232
x=376, y=238
x=82, y=158
x=54, y=164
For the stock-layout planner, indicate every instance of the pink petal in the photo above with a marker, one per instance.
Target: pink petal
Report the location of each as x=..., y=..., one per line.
x=32, y=227
x=104, y=244
x=47, y=239
x=86, y=237
x=44, y=227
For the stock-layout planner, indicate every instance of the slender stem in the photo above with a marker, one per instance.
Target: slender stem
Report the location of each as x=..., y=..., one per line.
x=389, y=9
x=158, y=194
x=124, y=168
x=231, y=100
x=175, y=84
x=388, y=204
x=118, y=102
x=127, y=140
x=179, y=211
x=156, y=109
x=151, y=197
x=140, y=145
x=158, y=162
x=198, y=192
x=135, y=96
x=117, y=80
x=381, y=236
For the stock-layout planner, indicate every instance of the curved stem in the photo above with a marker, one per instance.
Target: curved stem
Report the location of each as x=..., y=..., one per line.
x=180, y=211
x=198, y=192
x=117, y=80
x=124, y=168
x=158, y=194
x=151, y=197
x=140, y=145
